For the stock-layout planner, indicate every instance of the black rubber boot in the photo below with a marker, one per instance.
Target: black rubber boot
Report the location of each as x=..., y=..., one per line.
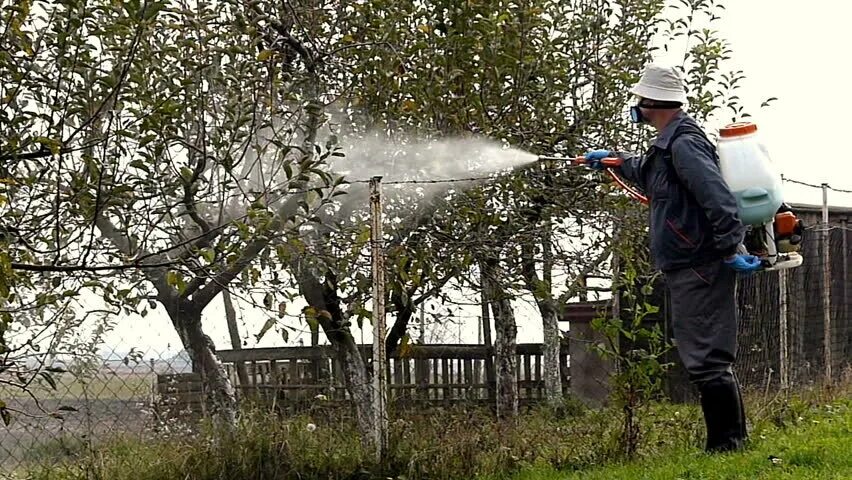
x=723, y=414
x=743, y=426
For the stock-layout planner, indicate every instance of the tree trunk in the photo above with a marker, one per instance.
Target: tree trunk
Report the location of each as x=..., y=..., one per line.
x=552, y=341
x=542, y=292
x=187, y=322
x=404, y=312
x=323, y=297
x=234, y=332
x=551, y=351
x=358, y=385
x=505, y=344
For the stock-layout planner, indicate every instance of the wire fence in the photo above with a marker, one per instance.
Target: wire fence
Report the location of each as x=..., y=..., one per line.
x=796, y=326
x=67, y=416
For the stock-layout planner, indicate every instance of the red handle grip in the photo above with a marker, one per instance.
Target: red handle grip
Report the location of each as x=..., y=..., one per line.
x=609, y=162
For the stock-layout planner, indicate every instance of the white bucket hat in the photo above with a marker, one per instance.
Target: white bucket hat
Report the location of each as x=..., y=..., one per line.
x=660, y=83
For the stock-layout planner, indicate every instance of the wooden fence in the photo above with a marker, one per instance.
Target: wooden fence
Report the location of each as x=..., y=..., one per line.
x=422, y=373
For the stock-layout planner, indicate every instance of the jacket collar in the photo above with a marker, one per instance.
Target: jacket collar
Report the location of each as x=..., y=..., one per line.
x=664, y=138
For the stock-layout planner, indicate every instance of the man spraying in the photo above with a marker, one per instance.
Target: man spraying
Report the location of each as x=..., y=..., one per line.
x=695, y=234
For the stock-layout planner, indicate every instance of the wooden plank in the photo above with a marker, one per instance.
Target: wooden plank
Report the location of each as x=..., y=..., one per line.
x=406, y=375
x=290, y=387
x=539, y=360
x=421, y=378
x=179, y=387
x=447, y=378
x=274, y=373
x=266, y=373
x=528, y=373
x=477, y=376
x=276, y=353
x=468, y=378
x=185, y=397
x=178, y=377
x=325, y=351
x=293, y=372
x=396, y=367
x=437, y=394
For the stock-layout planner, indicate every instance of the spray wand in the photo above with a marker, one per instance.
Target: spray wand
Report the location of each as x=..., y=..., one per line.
x=609, y=164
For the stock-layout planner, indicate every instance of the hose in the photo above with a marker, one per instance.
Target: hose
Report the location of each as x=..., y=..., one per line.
x=609, y=164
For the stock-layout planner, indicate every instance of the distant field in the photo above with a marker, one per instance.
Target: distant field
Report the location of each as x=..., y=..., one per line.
x=106, y=385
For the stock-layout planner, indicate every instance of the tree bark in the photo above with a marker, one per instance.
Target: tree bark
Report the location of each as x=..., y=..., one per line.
x=234, y=333
x=323, y=297
x=505, y=344
x=542, y=292
x=551, y=350
x=186, y=319
x=404, y=312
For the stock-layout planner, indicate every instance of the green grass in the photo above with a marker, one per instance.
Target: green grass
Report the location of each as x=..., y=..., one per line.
x=817, y=448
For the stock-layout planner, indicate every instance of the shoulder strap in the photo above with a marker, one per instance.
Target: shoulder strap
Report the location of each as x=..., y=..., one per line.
x=686, y=127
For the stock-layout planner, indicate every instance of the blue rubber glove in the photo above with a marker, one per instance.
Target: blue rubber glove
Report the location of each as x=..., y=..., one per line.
x=743, y=263
x=594, y=157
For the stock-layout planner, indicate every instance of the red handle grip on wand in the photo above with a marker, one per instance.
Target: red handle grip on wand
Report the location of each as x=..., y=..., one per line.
x=609, y=162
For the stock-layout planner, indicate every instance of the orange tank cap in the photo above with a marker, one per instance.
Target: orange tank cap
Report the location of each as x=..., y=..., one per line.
x=737, y=129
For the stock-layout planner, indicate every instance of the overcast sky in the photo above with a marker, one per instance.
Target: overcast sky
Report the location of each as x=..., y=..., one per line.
x=788, y=49
x=799, y=52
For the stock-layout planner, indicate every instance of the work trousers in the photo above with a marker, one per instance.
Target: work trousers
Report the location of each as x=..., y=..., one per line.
x=704, y=319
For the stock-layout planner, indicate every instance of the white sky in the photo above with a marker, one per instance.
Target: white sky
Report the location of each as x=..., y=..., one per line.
x=790, y=50
x=798, y=52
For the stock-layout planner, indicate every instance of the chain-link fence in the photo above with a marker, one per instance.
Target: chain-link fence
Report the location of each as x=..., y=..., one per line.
x=796, y=326
x=65, y=414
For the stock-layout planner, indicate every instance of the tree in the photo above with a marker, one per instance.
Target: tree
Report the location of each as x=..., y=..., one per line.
x=170, y=140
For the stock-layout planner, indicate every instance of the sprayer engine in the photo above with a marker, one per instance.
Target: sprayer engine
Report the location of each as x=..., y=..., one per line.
x=776, y=243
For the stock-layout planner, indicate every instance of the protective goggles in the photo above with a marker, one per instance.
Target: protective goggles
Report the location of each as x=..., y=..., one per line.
x=636, y=112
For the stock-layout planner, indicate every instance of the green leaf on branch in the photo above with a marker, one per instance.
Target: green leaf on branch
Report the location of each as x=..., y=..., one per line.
x=266, y=327
x=49, y=379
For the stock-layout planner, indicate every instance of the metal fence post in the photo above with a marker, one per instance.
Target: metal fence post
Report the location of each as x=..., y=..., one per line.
x=782, y=330
x=826, y=286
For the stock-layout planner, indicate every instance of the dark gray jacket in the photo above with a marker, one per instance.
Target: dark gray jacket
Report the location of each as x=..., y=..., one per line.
x=693, y=214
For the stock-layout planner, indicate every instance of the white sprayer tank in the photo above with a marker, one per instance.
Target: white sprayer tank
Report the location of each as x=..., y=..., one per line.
x=749, y=173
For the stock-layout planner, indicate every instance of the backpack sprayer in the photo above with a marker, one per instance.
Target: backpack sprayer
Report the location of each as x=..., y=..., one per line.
x=773, y=232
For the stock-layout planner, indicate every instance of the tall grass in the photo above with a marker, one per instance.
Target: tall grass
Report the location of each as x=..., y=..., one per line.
x=458, y=443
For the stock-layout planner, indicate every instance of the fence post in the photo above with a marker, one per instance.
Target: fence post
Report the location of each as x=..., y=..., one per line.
x=782, y=330
x=490, y=376
x=845, y=246
x=379, y=354
x=826, y=286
